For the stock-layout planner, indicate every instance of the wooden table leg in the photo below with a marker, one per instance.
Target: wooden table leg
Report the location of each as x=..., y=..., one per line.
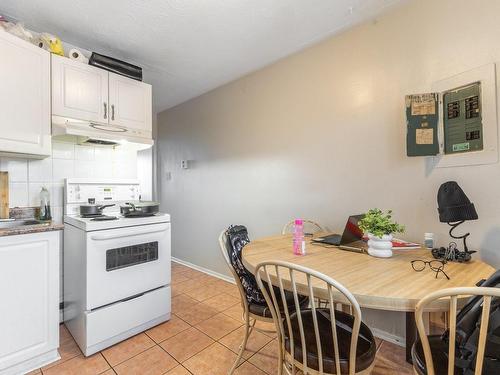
x=411, y=334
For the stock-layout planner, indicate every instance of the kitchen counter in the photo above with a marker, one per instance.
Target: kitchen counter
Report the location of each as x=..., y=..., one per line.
x=27, y=229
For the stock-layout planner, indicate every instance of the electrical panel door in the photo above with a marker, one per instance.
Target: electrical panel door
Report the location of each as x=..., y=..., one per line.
x=422, y=124
x=462, y=119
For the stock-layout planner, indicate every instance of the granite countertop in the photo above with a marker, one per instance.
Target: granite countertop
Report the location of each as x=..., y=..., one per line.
x=27, y=229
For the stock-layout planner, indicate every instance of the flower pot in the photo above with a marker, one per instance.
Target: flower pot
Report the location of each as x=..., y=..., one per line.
x=380, y=247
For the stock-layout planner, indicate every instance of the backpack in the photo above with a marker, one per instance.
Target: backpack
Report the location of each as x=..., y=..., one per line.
x=467, y=333
x=237, y=238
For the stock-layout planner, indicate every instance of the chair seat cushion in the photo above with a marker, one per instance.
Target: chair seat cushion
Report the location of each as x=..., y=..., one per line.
x=439, y=350
x=366, y=348
x=264, y=311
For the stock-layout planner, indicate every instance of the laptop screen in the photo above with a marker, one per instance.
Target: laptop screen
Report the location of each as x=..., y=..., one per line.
x=352, y=232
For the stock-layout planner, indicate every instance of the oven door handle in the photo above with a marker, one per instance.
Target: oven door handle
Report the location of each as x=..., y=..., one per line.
x=104, y=237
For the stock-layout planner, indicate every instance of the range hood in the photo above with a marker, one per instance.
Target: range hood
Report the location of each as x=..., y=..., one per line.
x=95, y=134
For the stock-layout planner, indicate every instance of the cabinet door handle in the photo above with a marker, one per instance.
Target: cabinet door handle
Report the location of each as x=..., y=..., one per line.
x=112, y=112
x=105, y=110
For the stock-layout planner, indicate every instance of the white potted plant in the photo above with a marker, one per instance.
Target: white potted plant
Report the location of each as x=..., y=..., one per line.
x=379, y=227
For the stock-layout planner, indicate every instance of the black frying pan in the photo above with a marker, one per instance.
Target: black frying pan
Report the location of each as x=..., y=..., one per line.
x=139, y=209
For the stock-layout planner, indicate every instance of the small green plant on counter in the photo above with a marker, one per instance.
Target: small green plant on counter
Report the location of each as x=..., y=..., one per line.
x=378, y=223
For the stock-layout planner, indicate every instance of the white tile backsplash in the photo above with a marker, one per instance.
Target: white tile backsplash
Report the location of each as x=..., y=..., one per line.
x=40, y=170
x=18, y=194
x=63, y=168
x=63, y=150
x=84, y=152
x=68, y=160
x=17, y=168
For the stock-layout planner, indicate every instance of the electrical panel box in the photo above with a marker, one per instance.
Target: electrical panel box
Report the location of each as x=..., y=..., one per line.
x=422, y=118
x=462, y=119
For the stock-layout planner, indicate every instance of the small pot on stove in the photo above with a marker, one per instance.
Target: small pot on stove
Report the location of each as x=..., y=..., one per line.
x=92, y=209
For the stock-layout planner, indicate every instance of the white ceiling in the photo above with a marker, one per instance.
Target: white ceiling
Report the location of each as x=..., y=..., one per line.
x=188, y=47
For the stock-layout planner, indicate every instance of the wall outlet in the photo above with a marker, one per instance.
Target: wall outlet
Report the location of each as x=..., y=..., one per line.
x=185, y=164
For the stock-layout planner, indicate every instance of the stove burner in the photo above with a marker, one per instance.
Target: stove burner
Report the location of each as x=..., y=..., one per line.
x=88, y=216
x=104, y=218
x=138, y=214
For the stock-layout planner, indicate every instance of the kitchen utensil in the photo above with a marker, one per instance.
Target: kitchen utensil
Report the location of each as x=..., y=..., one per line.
x=139, y=209
x=92, y=209
x=4, y=195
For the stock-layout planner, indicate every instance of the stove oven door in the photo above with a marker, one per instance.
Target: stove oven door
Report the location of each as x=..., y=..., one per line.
x=126, y=262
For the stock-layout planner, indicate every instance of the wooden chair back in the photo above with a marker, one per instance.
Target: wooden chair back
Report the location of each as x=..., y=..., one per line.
x=452, y=294
x=271, y=272
x=310, y=227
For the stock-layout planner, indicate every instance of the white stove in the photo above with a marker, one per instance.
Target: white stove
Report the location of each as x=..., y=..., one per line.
x=89, y=224
x=116, y=272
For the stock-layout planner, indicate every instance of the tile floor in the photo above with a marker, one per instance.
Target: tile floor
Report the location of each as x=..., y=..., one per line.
x=202, y=338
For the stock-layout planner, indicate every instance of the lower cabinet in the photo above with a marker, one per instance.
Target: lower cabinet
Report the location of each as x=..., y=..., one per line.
x=29, y=294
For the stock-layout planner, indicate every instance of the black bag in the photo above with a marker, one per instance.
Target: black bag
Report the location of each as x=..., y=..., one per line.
x=237, y=238
x=116, y=66
x=467, y=332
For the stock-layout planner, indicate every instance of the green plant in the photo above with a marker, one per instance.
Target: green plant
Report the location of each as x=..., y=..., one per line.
x=378, y=223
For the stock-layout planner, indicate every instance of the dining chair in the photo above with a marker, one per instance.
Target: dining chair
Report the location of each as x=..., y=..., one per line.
x=433, y=354
x=310, y=227
x=316, y=340
x=252, y=312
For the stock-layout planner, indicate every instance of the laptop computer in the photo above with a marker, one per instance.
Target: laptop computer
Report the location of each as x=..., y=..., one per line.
x=351, y=239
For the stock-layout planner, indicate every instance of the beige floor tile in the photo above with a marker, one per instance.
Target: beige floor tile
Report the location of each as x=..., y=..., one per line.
x=80, y=365
x=182, y=302
x=127, y=349
x=68, y=348
x=202, y=294
x=386, y=367
x=197, y=313
x=187, y=285
x=175, y=292
x=193, y=274
x=247, y=368
x=214, y=360
x=179, y=370
x=268, y=328
x=177, y=267
x=168, y=329
x=109, y=372
x=186, y=344
x=218, y=326
x=256, y=341
x=179, y=279
x=266, y=359
x=395, y=354
x=154, y=361
x=230, y=289
x=222, y=302
x=235, y=312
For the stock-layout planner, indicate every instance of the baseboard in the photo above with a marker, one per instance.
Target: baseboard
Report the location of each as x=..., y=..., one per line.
x=229, y=279
x=386, y=336
x=376, y=332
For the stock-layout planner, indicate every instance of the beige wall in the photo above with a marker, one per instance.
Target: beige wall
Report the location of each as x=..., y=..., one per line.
x=321, y=135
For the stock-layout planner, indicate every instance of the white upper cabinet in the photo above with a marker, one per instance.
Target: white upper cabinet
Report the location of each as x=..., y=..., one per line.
x=79, y=91
x=130, y=105
x=110, y=102
x=25, y=98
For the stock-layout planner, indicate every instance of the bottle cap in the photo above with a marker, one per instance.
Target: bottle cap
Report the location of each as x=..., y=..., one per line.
x=428, y=234
x=299, y=222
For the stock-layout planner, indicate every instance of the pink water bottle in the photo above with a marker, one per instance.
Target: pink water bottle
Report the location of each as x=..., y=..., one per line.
x=298, y=237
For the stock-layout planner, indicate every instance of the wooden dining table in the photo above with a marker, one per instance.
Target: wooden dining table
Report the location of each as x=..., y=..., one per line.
x=388, y=284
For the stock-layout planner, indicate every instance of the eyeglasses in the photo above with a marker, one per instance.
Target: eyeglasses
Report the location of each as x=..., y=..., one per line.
x=435, y=265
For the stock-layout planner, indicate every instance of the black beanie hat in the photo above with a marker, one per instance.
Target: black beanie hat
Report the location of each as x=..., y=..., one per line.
x=453, y=204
